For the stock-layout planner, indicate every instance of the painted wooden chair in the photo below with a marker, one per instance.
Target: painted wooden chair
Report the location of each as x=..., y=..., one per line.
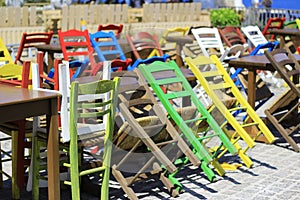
x=108, y=48
x=19, y=132
x=232, y=35
x=116, y=28
x=210, y=43
x=145, y=134
x=254, y=36
x=194, y=122
x=78, y=51
x=284, y=112
x=28, y=42
x=215, y=83
x=86, y=132
x=8, y=69
x=144, y=45
x=273, y=23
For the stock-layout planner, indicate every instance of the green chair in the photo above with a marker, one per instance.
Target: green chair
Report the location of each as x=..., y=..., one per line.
x=194, y=122
x=89, y=109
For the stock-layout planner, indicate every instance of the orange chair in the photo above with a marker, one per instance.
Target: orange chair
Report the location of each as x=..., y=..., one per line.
x=117, y=29
x=273, y=23
x=29, y=40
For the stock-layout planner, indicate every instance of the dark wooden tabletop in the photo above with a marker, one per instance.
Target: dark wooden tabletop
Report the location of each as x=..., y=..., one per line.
x=286, y=31
x=257, y=62
x=180, y=39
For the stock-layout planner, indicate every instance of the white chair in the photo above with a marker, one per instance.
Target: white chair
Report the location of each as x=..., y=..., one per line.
x=254, y=36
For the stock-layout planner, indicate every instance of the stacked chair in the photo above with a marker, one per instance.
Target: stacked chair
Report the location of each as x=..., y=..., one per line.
x=284, y=112
x=215, y=83
x=194, y=122
x=145, y=134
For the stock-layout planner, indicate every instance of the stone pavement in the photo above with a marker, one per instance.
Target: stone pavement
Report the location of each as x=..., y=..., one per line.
x=273, y=176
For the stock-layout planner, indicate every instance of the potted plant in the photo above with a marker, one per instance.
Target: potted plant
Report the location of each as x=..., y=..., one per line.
x=224, y=17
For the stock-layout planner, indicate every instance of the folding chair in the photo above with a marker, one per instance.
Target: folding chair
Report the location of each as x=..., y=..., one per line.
x=145, y=134
x=195, y=122
x=28, y=42
x=284, y=112
x=215, y=83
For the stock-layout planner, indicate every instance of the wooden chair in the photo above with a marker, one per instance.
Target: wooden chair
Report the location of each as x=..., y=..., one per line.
x=145, y=134
x=216, y=83
x=144, y=45
x=254, y=36
x=19, y=132
x=8, y=69
x=77, y=49
x=190, y=120
x=86, y=133
x=232, y=35
x=273, y=23
x=28, y=42
x=284, y=112
x=210, y=43
x=117, y=29
x=170, y=47
x=107, y=48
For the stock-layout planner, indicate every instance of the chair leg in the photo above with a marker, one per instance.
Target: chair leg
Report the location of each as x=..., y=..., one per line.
x=35, y=167
x=14, y=183
x=74, y=171
x=1, y=174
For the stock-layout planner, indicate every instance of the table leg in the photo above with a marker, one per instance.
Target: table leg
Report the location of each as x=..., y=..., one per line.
x=178, y=55
x=251, y=88
x=50, y=62
x=53, y=154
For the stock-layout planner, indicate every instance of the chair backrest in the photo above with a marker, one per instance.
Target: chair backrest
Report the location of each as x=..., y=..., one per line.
x=273, y=23
x=209, y=41
x=232, y=35
x=88, y=96
x=144, y=45
x=254, y=35
x=76, y=46
x=30, y=40
x=117, y=29
x=290, y=24
x=287, y=66
x=5, y=57
x=177, y=31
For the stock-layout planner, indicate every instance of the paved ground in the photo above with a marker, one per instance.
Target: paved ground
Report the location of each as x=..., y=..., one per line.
x=275, y=175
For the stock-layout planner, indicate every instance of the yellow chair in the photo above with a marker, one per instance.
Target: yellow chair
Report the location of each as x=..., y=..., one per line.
x=215, y=83
x=8, y=69
x=178, y=31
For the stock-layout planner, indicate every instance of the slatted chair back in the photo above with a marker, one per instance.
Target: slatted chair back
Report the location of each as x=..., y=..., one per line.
x=216, y=83
x=29, y=41
x=116, y=28
x=187, y=118
x=273, y=23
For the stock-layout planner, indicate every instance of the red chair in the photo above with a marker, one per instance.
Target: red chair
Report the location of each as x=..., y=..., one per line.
x=117, y=29
x=273, y=23
x=232, y=35
x=144, y=45
x=18, y=131
x=30, y=40
x=77, y=49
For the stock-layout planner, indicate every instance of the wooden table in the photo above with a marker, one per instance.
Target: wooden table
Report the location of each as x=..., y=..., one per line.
x=18, y=103
x=293, y=33
x=252, y=64
x=51, y=49
x=180, y=42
